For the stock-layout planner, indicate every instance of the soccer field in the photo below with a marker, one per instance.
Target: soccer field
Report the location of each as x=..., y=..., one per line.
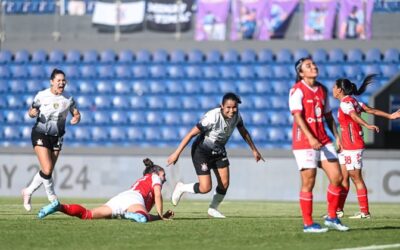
x=250, y=225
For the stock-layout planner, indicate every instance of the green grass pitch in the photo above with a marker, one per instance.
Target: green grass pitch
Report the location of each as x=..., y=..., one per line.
x=250, y=225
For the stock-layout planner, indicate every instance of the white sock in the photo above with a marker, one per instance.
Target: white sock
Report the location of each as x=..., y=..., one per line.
x=216, y=200
x=35, y=184
x=188, y=188
x=49, y=187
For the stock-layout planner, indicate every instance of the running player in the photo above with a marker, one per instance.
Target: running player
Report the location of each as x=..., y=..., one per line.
x=353, y=145
x=312, y=148
x=133, y=204
x=50, y=107
x=208, y=151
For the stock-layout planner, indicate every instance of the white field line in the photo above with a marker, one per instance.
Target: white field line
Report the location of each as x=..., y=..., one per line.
x=372, y=247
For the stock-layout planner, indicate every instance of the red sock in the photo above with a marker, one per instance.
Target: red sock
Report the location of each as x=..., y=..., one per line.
x=362, y=196
x=306, y=205
x=333, y=195
x=76, y=210
x=342, y=198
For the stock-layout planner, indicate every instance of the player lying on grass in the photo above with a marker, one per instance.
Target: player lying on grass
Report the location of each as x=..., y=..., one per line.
x=133, y=204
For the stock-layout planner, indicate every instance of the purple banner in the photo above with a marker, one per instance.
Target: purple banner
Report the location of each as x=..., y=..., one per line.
x=279, y=16
x=355, y=19
x=211, y=19
x=319, y=18
x=249, y=20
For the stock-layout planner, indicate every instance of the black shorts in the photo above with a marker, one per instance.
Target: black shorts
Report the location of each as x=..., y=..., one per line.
x=54, y=143
x=204, y=160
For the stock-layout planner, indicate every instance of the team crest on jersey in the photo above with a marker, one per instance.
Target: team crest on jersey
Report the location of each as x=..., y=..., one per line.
x=204, y=167
x=39, y=142
x=55, y=105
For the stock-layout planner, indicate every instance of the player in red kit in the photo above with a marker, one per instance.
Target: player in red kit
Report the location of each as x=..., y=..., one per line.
x=312, y=148
x=353, y=146
x=133, y=204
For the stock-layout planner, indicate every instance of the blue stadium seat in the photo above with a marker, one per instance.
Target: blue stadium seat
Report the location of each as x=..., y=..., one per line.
x=276, y=134
x=56, y=56
x=277, y=118
x=227, y=86
x=264, y=71
x=175, y=71
x=177, y=56
x=90, y=56
x=355, y=56
x=105, y=72
x=281, y=71
x=88, y=71
x=373, y=56
x=190, y=118
x=81, y=133
x=174, y=87
x=99, y=134
x=172, y=118
x=116, y=133
x=213, y=56
x=280, y=87
x=134, y=133
x=153, y=118
x=38, y=56
x=121, y=87
x=104, y=87
x=265, y=56
x=248, y=56
x=87, y=117
x=152, y=134
x=71, y=72
x=84, y=102
x=336, y=56
x=300, y=53
x=101, y=117
x=322, y=71
x=71, y=87
x=391, y=55
x=3, y=103
x=389, y=70
x=140, y=87
x=11, y=132
x=143, y=56
x=210, y=72
x=3, y=86
x=5, y=56
x=160, y=56
x=246, y=72
x=352, y=71
x=13, y=117
x=21, y=56
x=231, y=56
x=228, y=72
x=108, y=56
x=26, y=132
x=320, y=56
x=193, y=72
x=195, y=56
x=244, y=87
x=157, y=87
x=5, y=72
x=169, y=134
x=191, y=87
x=123, y=72
x=279, y=102
x=155, y=102
x=140, y=71
x=260, y=102
x=371, y=69
x=118, y=117
x=102, y=101
x=17, y=86
x=85, y=87
x=158, y=71
x=37, y=71
x=136, y=117
x=126, y=56
x=247, y=102
x=73, y=56
x=208, y=87
x=19, y=71
x=335, y=71
x=284, y=56
x=258, y=134
x=120, y=102
x=259, y=118
x=189, y=102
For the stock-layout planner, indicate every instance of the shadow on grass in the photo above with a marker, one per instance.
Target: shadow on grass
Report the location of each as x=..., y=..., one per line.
x=376, y=228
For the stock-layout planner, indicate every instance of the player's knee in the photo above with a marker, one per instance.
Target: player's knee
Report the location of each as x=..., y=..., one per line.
x=204, y=188
x=224, y=185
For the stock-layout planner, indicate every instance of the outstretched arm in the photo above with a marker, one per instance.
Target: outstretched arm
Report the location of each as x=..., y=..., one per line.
x=247, y=137
x=173, y=158
x=158, y=200
x=377, y=112
x=361, y=121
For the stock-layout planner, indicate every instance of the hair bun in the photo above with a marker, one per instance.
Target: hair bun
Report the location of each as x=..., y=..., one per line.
x=148, y=163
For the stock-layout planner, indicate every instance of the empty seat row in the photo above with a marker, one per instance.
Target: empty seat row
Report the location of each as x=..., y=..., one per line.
x=197, y=56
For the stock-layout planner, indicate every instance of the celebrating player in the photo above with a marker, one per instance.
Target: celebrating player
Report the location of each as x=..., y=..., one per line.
x=133, y=204
x=352, y=140
x=50, y=107
x=208, y=151
x=312, y=148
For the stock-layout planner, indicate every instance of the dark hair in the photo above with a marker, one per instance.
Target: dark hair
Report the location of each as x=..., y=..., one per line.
x=150, y=167
x=231, y=96
x=56, y=72
x=350, y=88
x=298, y=65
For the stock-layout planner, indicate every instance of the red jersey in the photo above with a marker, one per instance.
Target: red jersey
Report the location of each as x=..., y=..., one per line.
x=352, y=134
x=312, y=103
x=145, y=186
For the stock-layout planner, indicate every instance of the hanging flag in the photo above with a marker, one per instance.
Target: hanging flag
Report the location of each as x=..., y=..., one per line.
x=249, y=20
x=211, y=19
x=129, y=14
x=319, y=18
x=163, y=15
x=355, y=19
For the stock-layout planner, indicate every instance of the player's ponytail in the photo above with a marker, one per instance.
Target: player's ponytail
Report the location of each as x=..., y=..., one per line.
x=350, y=88
x=150, y=167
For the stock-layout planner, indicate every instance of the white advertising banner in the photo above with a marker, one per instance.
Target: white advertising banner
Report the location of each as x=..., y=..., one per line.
x=128, y=13
x=104, y=176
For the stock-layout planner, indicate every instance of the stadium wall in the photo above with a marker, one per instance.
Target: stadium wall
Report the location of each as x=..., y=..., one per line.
x=103, y=173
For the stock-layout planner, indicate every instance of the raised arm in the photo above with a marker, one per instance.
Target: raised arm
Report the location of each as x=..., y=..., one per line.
x=247, y=137
x=173, y=158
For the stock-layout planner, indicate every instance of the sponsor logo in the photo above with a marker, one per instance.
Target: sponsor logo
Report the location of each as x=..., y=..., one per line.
x=204, y=167
x=56, y=105
x=39, y=142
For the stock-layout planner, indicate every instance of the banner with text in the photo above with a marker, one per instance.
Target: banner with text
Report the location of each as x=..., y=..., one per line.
x=279, y=14
x=211, y=19
x=319, y=19
x=164, y=15
x=355, y=19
